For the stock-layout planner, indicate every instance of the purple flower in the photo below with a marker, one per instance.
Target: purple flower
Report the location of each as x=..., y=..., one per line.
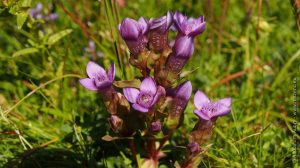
x=134, y=34
x=181, y=96
x=36, y=12
x=161, y=24
x=208, y=110
x=155, y=126
x=51, y=17
x=146, y=97
x=193, y=148
x=158, y=38
x=98, y=79
x=189, y=27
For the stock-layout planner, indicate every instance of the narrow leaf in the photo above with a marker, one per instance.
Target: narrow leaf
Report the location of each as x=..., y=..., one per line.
x=57, y=36
x=135, y=83
x=25, y=51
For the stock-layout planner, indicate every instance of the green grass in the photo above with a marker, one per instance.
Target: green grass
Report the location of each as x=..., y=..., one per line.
x=61, y=124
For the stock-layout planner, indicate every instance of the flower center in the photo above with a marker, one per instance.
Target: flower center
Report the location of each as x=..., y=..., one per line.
x=145, y=99
x=209, y=109
x=99, y=80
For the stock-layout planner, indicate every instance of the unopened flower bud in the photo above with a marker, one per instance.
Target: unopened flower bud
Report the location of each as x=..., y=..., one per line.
x=193, y=148
x=134, y=34
x=156, y=126
x=116, y=123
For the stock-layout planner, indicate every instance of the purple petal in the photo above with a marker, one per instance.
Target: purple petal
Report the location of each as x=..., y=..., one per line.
x=160, y=92
x=201, y=115
x=140, y=108
x=200, y=99
x=111, y=72
x=39, y=7
x=148, y=85
x=222, y=110
x=225, y=101
x=184, y=47
x=93, y=70
x=143, y=25
x=184, y=90
x=169, y=19
x=129, y=29
x=131, y=94
x=178, y=20
x=88, y=83
x=198, y=27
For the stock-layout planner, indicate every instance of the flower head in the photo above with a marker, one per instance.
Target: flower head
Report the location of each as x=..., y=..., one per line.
x=98, y=79
x=146, y=97
x=189, y=27
x=36, y=12
x=209, y=110
x=134, y=34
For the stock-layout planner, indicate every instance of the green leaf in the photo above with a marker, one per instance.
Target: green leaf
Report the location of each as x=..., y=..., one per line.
x=25, y=51
x=21, y=18
x=135, y=83
x=186, y=73
x=57, y=36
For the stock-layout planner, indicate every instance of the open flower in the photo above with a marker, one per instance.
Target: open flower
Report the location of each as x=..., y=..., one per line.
x=146, y=97
x=98, y=79
x=158, y=38
x=134, y=34
x=208, y=110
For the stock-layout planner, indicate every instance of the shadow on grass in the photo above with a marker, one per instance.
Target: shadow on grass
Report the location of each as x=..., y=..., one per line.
x=46, y=158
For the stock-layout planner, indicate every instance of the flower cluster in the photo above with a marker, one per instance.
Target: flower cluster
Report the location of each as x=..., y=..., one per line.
x=156, y=104
x=36, y=13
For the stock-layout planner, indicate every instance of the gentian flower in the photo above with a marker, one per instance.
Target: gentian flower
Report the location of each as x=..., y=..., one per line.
x=51, y=17
x=193, y=148
x=208, y=110
x=183, y=47
x=98, y=79
x=116, y=123
x=146, y=97
x=134, y=34
x=181, y=96
x=158, y=38
x=36, y=12
x=188, y=29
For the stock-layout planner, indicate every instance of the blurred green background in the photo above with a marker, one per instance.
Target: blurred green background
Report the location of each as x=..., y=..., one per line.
x=249, y=51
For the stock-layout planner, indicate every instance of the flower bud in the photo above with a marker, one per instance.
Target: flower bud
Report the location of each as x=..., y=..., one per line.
x=158, y=38
x=193, y=148
x=134, y=34
x=115, y=123
x=155, y=126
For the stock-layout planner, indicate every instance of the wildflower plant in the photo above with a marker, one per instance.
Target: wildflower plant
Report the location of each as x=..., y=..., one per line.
x=154, y=108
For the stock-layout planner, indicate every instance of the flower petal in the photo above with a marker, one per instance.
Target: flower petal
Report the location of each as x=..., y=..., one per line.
x=140, y=108
x=93, y=70
x=103, y=84
x=222, y=110
x=88, y=83
x=225, y=101
x=111, y=72
x=200, y=99
x=183, y=47
x=131, y=94
x=160, y=92
x=148, y=85
x=179, y=18
x=143, y=24
x=198, y=27
x=184, y=90
x=129, y=29
x=201, y=115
